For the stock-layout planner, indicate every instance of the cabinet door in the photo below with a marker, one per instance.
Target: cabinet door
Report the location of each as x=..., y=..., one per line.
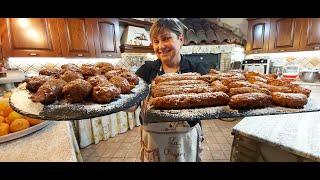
x=285, y=34
x=31, y=37
x=106, y=36
x=76, y=37
x=310, y=37
x=258, y=35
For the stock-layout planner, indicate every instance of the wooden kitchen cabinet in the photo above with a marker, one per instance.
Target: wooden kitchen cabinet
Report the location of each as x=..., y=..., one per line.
x=285, y=34
x=258, y=35
x=25, y=37
x=310, y=36
x=106, y=37
x=76, y=37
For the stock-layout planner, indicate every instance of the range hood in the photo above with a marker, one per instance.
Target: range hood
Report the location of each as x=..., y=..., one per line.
x=201, y=32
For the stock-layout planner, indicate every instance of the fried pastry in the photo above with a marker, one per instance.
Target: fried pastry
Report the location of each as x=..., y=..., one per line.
x=253, y=79
x=69, y=76
x=284, y=89
x=237, y=84
x=121, y=83
x=170, y=90
x=96, y=80
x=130, y=77
x=33, y=83
x=49, y=92
x=242, y=90
x=50, y=71
x=70, y=67
x=105, y=92
x=192, y=100
x=218, y=86
x=104, y=67
x=290, y=100
x=250, y=101
x=88, y=70
x=77, y=91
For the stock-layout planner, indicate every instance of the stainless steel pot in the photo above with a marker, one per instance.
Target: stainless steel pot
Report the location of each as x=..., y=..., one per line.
x=309, y=75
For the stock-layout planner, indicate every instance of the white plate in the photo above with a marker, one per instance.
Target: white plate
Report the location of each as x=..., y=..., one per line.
x=24, y=132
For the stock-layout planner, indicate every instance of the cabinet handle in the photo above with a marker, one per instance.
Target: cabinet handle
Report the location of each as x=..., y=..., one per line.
x=80, y=55
x=316, y=47
x=282, y=50
x=33, y=54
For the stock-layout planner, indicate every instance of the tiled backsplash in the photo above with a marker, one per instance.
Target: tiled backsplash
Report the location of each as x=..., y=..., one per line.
x=229, y=53
x=305, y=59
x=33, y=65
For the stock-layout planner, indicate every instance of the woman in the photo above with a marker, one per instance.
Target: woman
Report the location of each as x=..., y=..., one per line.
x=173, y=141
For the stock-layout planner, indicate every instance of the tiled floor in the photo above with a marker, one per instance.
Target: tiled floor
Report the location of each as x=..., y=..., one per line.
x=125, y=147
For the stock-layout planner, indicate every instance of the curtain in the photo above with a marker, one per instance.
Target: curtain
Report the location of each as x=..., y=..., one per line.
x=94, y=130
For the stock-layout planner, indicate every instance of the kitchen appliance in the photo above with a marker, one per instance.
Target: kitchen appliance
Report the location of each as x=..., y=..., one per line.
x=260, y=65
x=291, y=71
x=309, y=75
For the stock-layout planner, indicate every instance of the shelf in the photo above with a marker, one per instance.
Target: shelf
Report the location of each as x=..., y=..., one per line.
x=126, y=48
x=135, y=22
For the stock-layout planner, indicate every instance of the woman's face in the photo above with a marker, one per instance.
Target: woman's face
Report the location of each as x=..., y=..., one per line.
x=167, y=45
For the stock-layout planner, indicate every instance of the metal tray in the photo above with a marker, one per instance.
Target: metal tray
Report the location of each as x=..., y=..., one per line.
x=61, y=111
x=154, y=116
x=24, y=132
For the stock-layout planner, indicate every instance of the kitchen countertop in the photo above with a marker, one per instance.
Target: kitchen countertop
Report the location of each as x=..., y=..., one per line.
x=296, y=133
x=12, y=77
x=55, y=142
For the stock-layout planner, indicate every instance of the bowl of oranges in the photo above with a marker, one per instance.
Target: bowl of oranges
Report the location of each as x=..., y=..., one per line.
x=14, y=125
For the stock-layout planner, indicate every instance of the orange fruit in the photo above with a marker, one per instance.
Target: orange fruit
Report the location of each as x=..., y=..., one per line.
x=19, y=124
x=33, y=121
x=7, y=111
x=12, y=116
x=2, y=119
x=4, y=129
x=4, y=103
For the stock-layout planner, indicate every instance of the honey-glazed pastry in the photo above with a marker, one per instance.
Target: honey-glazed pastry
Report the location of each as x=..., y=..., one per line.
x=131, y=77
x=69, y=76
x=213, y=71
x=284, y=89
x=121, y=83
x=96, y=80
x=237, y=84
x=115, y=72
x=182, y=82
x=250, y=101
x=218, y=86
x=88, y=70
x=192, y=100
x=290, y=100
x=104, y=67
x=105, y=92
x=70, y=67
x=253, y=79
x=254, y=73
x=192, y=88
x=242, y=90
x=50, y=71
x=49, y=92
x=298, y=89
x=33, y=83
x=77, y=91
x=261, y=84
x=279, y=82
